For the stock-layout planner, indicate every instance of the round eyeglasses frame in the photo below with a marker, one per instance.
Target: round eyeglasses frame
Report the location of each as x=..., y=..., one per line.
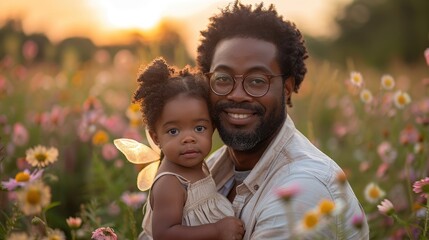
x=243, y=77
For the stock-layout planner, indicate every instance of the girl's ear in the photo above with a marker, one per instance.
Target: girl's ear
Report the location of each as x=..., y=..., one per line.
x=154, y=137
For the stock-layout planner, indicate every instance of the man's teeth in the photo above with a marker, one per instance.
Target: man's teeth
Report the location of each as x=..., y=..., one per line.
x=238, y=116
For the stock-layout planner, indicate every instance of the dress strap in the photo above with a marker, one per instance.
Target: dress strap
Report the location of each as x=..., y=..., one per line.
x=185, y=182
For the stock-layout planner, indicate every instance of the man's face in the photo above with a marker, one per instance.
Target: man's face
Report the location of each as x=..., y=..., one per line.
x=244, y=121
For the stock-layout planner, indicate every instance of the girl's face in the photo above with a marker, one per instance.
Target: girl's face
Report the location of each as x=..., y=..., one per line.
x=184, y=131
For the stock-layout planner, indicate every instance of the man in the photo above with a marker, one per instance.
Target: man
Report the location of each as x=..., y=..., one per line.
x=254, y=60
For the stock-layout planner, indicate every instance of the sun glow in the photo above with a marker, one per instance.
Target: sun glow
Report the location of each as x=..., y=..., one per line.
x=129, y=14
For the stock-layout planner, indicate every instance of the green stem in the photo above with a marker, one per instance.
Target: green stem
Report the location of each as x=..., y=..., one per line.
x=290, y=218
x=403, y=223
x=426, y=219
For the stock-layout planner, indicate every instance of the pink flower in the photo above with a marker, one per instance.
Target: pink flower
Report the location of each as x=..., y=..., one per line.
x=386, y=152
x=114, y=124
x=29, y=50
x=133, y=133
x=386, y=207
x=382, y=170
x=357, y=221
x=133, y=200
x=109, y=151
x=3, y=85
x=22, y=179
x=104, y=233
x=426, y=53
x=19, y=135
x=287, y=193
x=422, y=186
x=74, y=223
x=409, y=135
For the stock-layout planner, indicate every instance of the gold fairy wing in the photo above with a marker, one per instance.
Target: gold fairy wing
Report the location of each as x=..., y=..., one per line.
x=136, y=152
x=147, y=175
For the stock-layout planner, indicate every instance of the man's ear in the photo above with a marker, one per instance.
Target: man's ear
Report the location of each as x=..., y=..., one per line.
x=289, y=87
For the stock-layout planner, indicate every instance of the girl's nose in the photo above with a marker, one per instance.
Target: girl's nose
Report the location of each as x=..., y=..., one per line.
x=189, y=139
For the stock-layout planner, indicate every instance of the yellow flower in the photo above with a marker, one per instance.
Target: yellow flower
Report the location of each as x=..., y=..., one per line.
x=401, y=99
x=366, y=96
x=133, y=112
x=356, y=79
x=100, y=138
x=310, y=220
x=326, y=207
x=310, y=223
x=387, y=82
x=34, y=197
x=41, y=156
x=55, y=235
x=22, y=177
x=373, y=192
x=19, y=236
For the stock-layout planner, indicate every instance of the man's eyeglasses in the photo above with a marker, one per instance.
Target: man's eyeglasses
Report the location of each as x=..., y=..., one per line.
x=254, y=84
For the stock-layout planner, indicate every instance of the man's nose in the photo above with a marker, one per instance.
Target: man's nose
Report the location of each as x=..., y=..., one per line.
x=238, y=94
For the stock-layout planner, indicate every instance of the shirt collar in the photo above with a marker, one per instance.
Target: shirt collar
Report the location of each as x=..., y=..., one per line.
x=268, y=159
x=222, y=168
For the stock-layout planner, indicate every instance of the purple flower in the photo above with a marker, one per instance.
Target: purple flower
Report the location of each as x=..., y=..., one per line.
x=21, y=179
x=133, y=200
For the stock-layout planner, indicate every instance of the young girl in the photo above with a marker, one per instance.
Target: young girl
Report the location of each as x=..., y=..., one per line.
x=183, y=202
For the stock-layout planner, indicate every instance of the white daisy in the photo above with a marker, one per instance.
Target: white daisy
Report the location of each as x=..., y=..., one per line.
x=34, y=197
x=401, y=99
x=356, y=79
x=387, y=82
x=41, y=156
x=373, y=192
x=366, y=96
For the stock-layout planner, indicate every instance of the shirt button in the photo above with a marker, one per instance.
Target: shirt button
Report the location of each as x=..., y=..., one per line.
x=256, y=187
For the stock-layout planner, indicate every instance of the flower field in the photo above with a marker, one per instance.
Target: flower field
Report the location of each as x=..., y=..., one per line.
x=62, y=177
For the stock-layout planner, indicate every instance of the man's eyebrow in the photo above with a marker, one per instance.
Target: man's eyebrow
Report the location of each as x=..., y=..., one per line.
x=257, y=68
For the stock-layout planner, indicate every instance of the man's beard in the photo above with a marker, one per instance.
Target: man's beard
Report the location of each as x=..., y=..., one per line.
x=244, y=140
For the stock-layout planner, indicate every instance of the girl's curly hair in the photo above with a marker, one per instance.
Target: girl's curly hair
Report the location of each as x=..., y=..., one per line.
x=159, y=82
x=239, y=20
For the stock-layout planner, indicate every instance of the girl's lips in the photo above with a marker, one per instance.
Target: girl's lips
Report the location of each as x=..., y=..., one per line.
x=190, y=153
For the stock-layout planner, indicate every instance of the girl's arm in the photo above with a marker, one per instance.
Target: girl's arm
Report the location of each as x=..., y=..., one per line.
x=169, y=197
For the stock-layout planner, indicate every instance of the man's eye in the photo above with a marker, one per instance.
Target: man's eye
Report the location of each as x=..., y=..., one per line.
x=222, y=78
x=173, y=131
x=200, y=129
x=256, y=80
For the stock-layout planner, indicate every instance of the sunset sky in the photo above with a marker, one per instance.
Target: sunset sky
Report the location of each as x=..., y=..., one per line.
x=100, y=19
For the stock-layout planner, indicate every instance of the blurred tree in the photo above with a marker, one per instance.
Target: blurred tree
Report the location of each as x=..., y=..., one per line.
x=378, y=32
x=45, y=51
x=84, y=48
x=11, y=36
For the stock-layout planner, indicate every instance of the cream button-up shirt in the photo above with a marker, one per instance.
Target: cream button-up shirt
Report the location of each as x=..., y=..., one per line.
x=290, y=160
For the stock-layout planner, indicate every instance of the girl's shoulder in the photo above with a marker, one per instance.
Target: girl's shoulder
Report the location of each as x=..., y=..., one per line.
x=171, y=175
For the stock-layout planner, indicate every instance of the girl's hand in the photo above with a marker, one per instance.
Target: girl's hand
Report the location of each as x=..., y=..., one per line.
x=230, y=228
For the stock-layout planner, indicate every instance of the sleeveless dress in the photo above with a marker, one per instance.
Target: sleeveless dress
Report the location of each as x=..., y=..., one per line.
x=203, y=204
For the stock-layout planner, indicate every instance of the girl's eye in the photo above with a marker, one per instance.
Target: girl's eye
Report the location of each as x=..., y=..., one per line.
x=200, y=129
x=173, y=131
